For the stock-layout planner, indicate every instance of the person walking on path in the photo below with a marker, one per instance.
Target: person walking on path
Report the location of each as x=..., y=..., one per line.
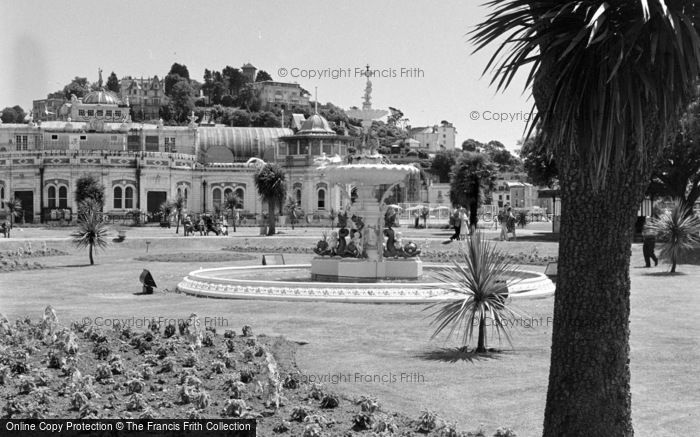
x=502, y=220
x=463, y=224
x=510, y=223
x=455, y=222
x=648, y=244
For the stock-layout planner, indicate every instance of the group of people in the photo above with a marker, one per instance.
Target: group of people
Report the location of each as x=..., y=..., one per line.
x=207, y=224
x=459, y=220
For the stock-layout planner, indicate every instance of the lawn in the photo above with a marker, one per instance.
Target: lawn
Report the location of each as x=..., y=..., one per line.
x=386, y=350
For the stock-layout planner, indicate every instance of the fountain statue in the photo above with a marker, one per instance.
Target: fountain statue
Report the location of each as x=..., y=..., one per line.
x=362, y=259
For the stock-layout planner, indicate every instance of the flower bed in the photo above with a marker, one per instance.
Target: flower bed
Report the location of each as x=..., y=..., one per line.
x=441, y=254
x=179, y=370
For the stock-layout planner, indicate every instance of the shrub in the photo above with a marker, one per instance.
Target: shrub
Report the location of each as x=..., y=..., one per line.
x=300, y=413
x=427, y=421
x=329, y=401
x=234, y=407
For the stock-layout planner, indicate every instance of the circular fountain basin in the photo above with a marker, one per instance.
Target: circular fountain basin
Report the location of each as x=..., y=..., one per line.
x=293, y=283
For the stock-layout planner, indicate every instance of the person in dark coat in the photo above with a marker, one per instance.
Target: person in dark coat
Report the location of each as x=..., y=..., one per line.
x=648, y=244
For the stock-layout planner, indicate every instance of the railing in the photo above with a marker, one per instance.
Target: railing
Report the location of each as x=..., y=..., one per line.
x=100, y=153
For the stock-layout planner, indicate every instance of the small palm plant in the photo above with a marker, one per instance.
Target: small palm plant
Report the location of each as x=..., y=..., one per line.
x=178, y=204
x=480, y=284
x=14, y=208
x=678, y=231
x=92, y=230
x=270, y=182
x=232, y=202
x=166, y=208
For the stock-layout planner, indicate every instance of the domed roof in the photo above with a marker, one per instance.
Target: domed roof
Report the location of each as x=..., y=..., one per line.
x=102, y=97
x=316, y=125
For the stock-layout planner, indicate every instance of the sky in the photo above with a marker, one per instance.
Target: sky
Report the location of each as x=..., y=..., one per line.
x=421, y=48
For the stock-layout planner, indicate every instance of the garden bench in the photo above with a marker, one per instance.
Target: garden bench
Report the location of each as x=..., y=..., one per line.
x=551, y=271
x=273, y=259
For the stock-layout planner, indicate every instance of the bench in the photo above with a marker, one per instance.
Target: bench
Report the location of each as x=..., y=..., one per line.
x=551, y=271
x=273, y=259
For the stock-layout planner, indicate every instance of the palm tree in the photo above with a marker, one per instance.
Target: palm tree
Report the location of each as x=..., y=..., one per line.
x=178, y=204
x=270, y=182
x=292, y=210
x=232, y=201
x=471, y=178
x=608, y=80
x=678, y=230
x=480, y=281
x=92, y=230
x=14, y=208
x=166, y=208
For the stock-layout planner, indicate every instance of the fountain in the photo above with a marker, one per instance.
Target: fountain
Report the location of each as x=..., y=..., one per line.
x=363, y=269
x=362, y=259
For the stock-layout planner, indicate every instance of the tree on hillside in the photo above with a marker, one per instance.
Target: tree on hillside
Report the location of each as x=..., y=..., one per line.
x=180, y=70
x=608, y=80
x=471, y=180
x=262, y=76
x=14, y=114
x=79, y=87
x=247, y=98
x=442, y=164
x=182, y=100
x=471, y=145
x=113, y=83
x=264, y=119
x=236, y=117
x=89, y=187
x=270, y=183
x=234, y=80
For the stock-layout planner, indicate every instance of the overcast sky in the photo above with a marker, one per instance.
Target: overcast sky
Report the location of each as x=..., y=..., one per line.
x=47, y=43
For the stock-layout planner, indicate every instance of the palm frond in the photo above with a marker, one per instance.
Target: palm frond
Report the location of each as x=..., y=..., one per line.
x=678, y=232
x=479, y=282
x=613, y=66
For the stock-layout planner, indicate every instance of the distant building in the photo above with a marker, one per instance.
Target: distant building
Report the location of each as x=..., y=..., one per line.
x=435, y=138
x=520, y=195
x=281, y=96
x=47, y=109
x=145, y=96
x=248, y=71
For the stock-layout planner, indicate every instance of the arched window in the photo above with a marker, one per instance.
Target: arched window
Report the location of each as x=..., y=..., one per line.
x=228, y=192
x=322, y=199
x=62, y=197
x=297, y=193
x=2, y=197
x=129, y=198
x=179, y=192
x=117, y=197
x=52, y=197
x=216, y=197
x=185, y=191
x=241, y=196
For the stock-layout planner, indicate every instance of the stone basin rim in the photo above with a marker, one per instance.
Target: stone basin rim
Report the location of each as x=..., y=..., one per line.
x=536, y=285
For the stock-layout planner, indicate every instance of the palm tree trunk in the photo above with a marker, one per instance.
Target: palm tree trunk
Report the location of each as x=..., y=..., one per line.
x=673, y=266
x=589, y=379
x=92, y=262
x=271, y=218
x=481, y=345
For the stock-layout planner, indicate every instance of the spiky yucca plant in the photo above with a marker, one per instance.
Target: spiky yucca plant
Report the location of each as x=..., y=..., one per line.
x=678, y=231
x=92, y=231
x=478, y=278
